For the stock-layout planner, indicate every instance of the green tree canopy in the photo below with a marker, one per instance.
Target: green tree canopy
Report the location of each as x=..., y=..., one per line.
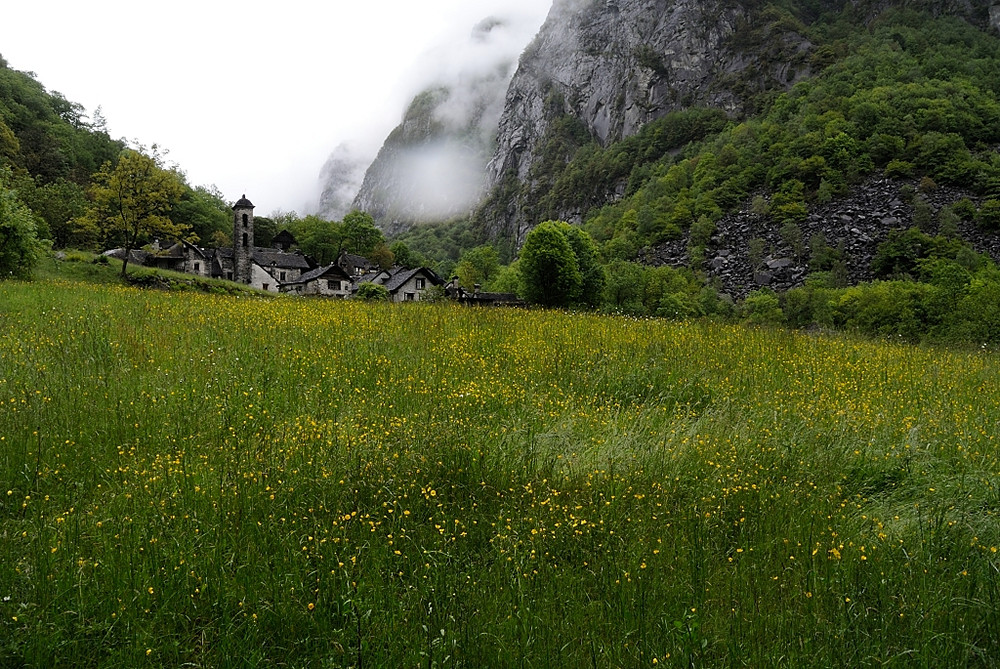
x=588, y=257
x=550, y=272
x=130, y=201
x=360, y=236
x=19, y=245
x=403, y=255
x=320, y=238
x=478, y=265
x=205, y=211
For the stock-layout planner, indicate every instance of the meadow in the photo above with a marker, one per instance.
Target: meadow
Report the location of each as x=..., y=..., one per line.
x=216, y=481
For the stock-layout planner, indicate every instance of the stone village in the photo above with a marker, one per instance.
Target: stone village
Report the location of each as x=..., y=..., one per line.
x=285, y=269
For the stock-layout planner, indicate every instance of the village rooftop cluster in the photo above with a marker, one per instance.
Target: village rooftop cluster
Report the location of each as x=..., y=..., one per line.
x=284, y=268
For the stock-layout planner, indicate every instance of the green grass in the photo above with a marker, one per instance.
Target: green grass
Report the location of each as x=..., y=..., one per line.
x=83, y=266
x=200, y=480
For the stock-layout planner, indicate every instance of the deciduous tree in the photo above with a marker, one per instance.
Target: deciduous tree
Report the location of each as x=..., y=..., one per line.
x=130, y=200
x=19, y=246
x=478, y=265
x=360, y=236
x=550, y=273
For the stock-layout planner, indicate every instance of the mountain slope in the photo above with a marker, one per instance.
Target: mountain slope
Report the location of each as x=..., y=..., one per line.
x=599, y=71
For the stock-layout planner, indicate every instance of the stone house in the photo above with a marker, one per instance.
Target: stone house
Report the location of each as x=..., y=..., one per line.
x=263, y=268
x=356, y=266
x=404, y=285
x=284, y=270
x=479, y=298
x=329, y=281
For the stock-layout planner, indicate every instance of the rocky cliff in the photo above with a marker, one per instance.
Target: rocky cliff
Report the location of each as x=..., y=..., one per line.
x=612, y=66
x=598, y=71
x=615, y=65
x=432, y=165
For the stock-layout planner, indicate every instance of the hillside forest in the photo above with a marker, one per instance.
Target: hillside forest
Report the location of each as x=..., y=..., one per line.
x=910, y=99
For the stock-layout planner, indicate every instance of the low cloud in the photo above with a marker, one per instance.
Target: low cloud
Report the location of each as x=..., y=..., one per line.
x=444, y=176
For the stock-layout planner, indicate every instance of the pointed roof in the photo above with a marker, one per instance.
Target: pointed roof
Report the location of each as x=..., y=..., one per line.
x=331, y=270
x=402, y=275
x=285, y=237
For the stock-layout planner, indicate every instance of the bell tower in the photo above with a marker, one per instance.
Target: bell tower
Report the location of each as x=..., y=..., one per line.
x=242, y=239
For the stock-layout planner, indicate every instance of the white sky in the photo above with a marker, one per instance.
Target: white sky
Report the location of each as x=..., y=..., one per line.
x=248, y=96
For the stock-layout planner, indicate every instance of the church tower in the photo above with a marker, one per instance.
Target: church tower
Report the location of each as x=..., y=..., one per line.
x=242, y=239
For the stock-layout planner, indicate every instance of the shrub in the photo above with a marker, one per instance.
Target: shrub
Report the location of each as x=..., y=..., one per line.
x=899, y=169
x=702, y=231
x=762, y=307
x=988, y=216
x=808, y=305
x=897, y=256
x=822, y=256
x=760, y=206
x=965, y=209
x=80, y=256
x=372, y=292
x=755, y=252
x=791, y=235
x=19, y=246
x=895, y=308
x=948, y=222
x=923, y=214
x=678, y=306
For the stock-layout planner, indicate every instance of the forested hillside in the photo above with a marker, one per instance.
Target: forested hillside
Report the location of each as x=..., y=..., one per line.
x=916, y=98
x=50, y=151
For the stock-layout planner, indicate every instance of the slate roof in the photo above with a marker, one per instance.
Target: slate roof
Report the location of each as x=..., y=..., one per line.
x=136, y=256
x=217, y=269
x=284, y=237
x=200, y=251
x=352, y=263
x=264, y=258
x=331, y=270
x=175, y=252
x=403, y=275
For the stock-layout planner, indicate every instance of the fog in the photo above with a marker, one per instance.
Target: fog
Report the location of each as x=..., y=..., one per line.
x=469, y=69
x=253, y=96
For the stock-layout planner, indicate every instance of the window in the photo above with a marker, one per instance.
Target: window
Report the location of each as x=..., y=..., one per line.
x=246, y=219
x=332, y=285
x=197, y=267
x=420, y=284
x=245, y=239
x=267, y=286
x=281, y=277
x=409, y=297
x=229, y=276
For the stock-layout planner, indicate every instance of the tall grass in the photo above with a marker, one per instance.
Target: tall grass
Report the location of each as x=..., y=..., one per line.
x=215, y=481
